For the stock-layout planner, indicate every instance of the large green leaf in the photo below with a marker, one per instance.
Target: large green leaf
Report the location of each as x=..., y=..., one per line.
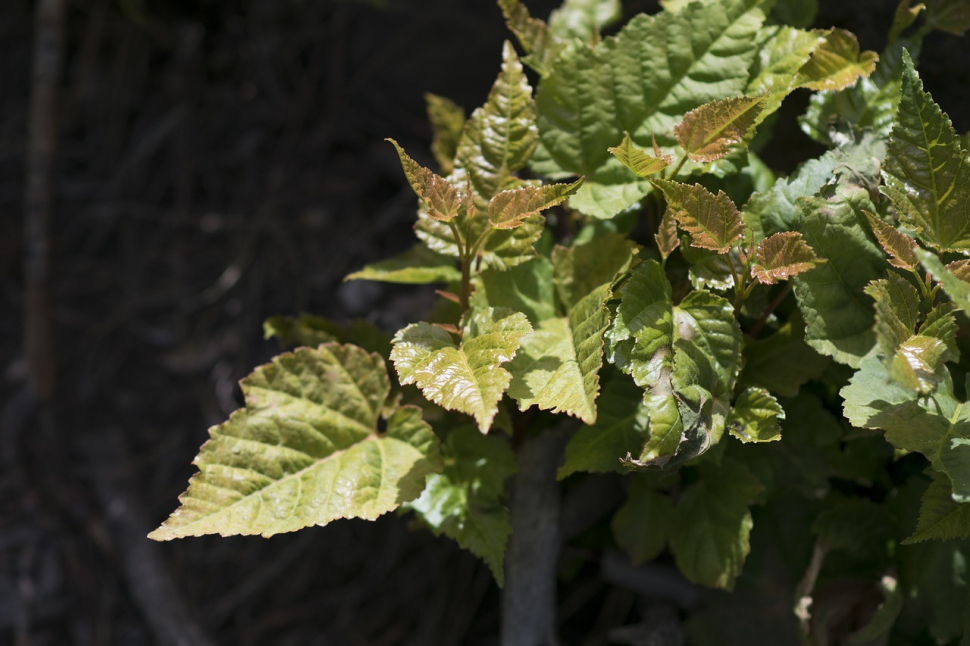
x=307, y=450
x=782, y=51
x=837, y=63
x=927, y=174
x=466, y=500
x=838, y=315
x=644, y=521
x=417, y=265
x=467, y=376
x=500, y=137
x=620, y=430
x=710, y=540
x=526, y=288
x=558, y=366
x=642, y=81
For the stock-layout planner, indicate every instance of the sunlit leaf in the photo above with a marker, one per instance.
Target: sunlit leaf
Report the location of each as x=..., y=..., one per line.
x=466, y=376
x=755, y=417
x=447, y=121
x=782, y=52
x=439, y=196
x=837, y=63
x=510, y=208
x=927, y=174
x=639, y=161
x=417, y=265
x=306, y=450
x=535, y=36
x=782, y=256
x=900, y=247
x=708, y=132
x=584, y=19
x=713, y=221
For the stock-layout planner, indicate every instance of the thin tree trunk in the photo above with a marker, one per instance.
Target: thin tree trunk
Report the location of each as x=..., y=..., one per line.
x=529, y=597
x=39, y=194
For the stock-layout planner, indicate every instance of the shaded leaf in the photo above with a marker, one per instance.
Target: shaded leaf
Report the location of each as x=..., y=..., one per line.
x=417, y=265
x=306, y=450
x=500, y=137
x=310, y=330
x=713, y=221
x=643, y=522
x=952, y=16
x=439, y=196
x=639, y=161
x=708, y=132
x=466, y=501
x=503, y=248
x=940, y=518
x=447, y=121
x=510, y=208
x=837, y=63
x=900, y=247
x=755, y=417
x=468, y=376
x=927, y=175
x=710, y=541
x=906, y=13
x=782, y=256
x=956, y=288
x=783, y=362
x=620, y=429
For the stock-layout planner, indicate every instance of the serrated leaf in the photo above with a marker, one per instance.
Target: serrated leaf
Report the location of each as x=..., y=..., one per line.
x=918, y=364
x=637, y=160
x=510, y=208
x=927, y=174
x=713, y=221
x=306, y=450
x=711, y=538
x=900, y=247
x=783, y=256
x=642, y=81
x=838, y=315
x=439, y=196
x=782, y=52
x=940, y=518
x=957, y=289
x=500, y=137
x=558, y=366
x=503, y=249
x=837, y=63
x=447, y=121
x=755, y=417
x=897, y=310
x=535, y=36
x=906, y=13
x=466, y=500
x=584, y=19
x=643, y=522
x=783, y=362
x=418, y=265
x=468, y=376
x=620, y=429
x=666, y=236
x=707, y=132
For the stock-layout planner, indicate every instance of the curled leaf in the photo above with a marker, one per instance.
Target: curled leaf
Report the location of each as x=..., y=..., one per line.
x=509, y=209
x=713, y=221
x=708, y=132
x=900, y=247
x=783, y=255
x=837, y=63
x=639, y=161
x=755, y=417
x=438, y=194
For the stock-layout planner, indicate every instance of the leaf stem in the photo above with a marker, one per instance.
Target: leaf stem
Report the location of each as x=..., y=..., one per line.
x=680, y=164
x=466, y=261
x=772, y=306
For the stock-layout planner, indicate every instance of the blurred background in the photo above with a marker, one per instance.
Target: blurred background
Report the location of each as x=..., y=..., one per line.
x=219, y=162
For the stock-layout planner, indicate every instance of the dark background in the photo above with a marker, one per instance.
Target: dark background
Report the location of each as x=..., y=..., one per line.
x=221, y=161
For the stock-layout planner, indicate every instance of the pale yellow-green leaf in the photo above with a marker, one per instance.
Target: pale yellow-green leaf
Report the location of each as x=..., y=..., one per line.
x=440, y=197
x=900, y=247
x=466, y=376
x=713, y=221
x=510, y=208
x=306, y=450
x=837, y=63
x=500, y=137
x=782, y=52
x=639, y=161
x=783, y=255
x=447, y=121
x=708, y=132
x=418, y=265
